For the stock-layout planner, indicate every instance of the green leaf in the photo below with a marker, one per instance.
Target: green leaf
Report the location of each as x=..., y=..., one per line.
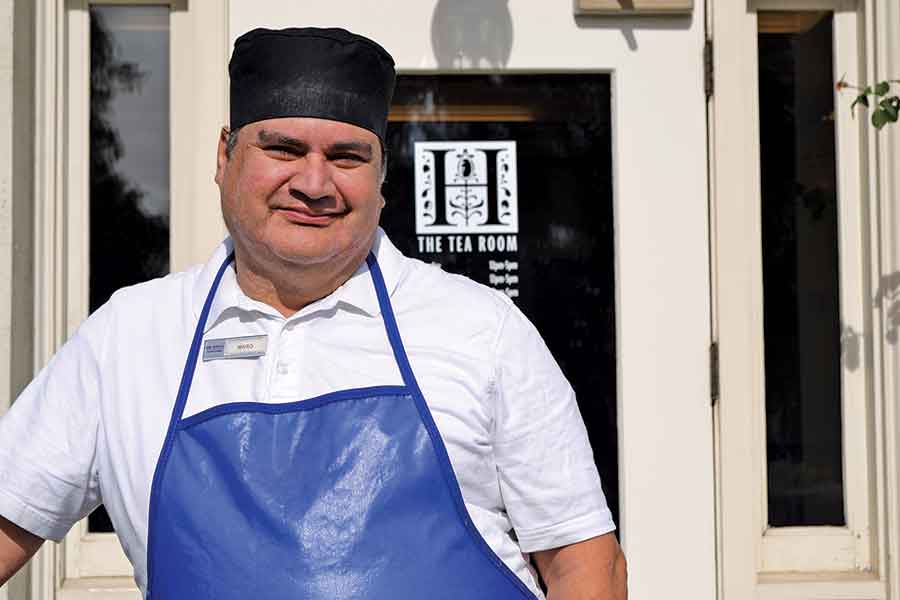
x=861, y=99
x=891, y=108
x=879, y=118
x=882, y=88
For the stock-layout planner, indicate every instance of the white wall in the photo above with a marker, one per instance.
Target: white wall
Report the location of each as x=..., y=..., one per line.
x=661, y=226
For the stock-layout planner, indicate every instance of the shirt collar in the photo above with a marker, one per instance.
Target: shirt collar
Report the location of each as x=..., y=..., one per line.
x=357, y=293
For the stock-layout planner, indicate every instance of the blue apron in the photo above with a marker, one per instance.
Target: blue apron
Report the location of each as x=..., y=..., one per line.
x=349, y=495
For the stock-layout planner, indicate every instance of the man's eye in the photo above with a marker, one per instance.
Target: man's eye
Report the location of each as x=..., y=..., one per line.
x=281, y=151
x=348, y=159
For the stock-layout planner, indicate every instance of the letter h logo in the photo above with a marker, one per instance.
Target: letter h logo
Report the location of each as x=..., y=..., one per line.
x=466, y=187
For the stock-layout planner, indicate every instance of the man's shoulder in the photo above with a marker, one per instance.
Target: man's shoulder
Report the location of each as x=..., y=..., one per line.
x=144, y=307
x=427, y=286
x=170, y=292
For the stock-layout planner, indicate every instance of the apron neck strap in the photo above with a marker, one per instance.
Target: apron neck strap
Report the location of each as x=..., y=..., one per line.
x=390, y=323
x=187, y=376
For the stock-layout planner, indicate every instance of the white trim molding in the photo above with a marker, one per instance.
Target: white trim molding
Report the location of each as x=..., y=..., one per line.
x=48, y=235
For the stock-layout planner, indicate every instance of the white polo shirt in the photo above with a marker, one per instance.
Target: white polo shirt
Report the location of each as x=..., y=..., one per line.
x=90, y=427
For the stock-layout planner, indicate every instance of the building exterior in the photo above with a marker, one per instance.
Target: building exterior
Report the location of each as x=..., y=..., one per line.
x=674, y=191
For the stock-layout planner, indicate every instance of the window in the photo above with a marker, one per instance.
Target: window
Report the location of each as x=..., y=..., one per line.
x=798, y=483
x=802, y=324
x=129, y=155
x=129, y=147
x=815, y=397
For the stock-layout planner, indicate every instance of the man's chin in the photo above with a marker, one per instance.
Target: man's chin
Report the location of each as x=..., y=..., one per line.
x=311, y=255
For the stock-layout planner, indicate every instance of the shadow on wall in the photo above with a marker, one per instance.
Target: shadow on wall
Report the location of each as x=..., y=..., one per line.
x=472, y=34
x=887, y=298
x=851, y=347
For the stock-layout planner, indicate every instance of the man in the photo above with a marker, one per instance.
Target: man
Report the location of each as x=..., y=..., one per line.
x=346, y=423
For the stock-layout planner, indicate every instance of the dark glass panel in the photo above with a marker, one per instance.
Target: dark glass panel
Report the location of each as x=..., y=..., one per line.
x=129, y=129
x=800, y=271
x=559, y=266
x=129, y=154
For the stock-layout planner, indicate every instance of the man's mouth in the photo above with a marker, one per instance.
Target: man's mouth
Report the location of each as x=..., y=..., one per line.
x=302, y=216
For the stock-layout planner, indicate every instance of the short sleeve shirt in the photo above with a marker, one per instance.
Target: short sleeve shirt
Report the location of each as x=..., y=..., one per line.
x=90, y=427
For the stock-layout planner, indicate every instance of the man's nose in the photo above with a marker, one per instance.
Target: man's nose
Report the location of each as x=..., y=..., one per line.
x=312, y=178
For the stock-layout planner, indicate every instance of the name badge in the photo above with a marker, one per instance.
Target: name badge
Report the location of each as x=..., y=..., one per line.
x=251, y=346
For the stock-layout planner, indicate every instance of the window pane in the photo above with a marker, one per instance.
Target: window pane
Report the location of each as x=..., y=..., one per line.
x=800, y=270
x=515, y=171
x=129, y=154
x=129, y=129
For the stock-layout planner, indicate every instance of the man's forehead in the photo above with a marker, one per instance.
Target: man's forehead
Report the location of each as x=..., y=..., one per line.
x=310, y=131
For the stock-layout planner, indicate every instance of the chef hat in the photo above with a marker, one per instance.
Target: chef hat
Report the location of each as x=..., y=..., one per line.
x=311, y=72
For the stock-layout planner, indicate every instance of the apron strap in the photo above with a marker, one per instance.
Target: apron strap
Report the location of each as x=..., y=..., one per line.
x=390, y=324
x=190, y=364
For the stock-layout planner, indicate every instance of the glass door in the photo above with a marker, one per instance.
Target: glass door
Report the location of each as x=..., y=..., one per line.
x=508, y=179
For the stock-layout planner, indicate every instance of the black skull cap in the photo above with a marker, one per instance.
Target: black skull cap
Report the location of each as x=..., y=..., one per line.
x=311, y=72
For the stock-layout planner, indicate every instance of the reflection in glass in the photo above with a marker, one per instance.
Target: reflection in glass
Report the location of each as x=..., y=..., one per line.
x=563, y=278
x=800, y=270
x=129, y=133
x=129, y=154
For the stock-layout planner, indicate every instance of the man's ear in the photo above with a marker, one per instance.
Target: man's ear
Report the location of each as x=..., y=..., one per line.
x=221, y=154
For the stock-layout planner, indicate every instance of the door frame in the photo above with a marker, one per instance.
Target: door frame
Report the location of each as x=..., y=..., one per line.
x=754, y=562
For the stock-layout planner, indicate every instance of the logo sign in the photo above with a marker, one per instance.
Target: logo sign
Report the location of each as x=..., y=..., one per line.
x=466, y=187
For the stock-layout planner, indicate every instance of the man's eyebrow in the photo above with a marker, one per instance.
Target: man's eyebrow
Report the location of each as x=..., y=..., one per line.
x=266, y=137
x=363, y=148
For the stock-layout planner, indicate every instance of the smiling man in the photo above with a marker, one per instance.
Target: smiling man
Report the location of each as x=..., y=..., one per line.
x=320, y=220
x=311, y=414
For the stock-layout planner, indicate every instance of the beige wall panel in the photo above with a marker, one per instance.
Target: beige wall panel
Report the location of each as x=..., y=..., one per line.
x=199, y=100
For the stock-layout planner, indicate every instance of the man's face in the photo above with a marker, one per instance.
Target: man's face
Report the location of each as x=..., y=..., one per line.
x=301, y=190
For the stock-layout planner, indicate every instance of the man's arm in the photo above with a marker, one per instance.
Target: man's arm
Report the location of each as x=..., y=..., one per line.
x=590, y=570
x=16, y=547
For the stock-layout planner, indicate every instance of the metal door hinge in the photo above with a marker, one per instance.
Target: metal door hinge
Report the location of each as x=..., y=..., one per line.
x=714, y=372
x=708, y=75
